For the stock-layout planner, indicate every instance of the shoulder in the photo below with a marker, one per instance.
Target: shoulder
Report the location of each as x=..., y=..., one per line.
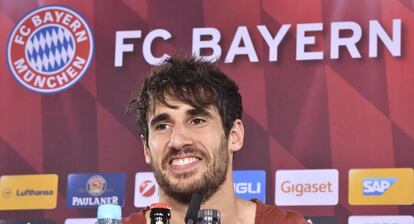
x=274, y=214
x=135, y=218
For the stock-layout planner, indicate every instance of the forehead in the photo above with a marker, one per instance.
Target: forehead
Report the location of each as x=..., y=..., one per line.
x=172, y=106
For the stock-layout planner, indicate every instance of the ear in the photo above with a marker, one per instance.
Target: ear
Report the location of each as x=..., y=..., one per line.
x=236, y=136
x=147, y=152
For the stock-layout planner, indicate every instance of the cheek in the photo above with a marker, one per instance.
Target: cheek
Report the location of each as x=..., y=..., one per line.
x=156, y=142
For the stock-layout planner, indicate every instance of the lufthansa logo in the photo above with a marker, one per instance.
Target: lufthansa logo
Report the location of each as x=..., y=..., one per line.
x=50, y=49
x=6, y=192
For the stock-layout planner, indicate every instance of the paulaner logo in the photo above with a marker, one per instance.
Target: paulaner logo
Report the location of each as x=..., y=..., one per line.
x=50, y=49
x=92, y=190
x=96, y=185
x=377, y=186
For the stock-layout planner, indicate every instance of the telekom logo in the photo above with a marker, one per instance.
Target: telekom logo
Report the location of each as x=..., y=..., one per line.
x=147, y=188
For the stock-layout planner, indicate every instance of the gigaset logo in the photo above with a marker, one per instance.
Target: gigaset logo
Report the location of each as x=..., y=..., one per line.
x=299, y=189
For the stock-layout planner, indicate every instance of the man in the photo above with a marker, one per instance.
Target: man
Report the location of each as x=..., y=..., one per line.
x=190, y=118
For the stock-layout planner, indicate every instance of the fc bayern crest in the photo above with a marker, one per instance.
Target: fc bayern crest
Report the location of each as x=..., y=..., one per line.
x=50, y=49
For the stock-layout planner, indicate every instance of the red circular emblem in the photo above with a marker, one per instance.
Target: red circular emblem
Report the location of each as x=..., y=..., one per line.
x=50, y=49
x=147, y=188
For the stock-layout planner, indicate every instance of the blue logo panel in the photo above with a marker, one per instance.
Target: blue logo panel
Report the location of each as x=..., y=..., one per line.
x=93, y=189
x=250, y=184
x=377, y=186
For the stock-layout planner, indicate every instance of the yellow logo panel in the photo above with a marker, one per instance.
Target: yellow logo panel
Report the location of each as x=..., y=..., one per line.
x=392, y=186
x=24, y=192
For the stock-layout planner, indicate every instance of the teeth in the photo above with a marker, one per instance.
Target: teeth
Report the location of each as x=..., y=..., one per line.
x=184, y=161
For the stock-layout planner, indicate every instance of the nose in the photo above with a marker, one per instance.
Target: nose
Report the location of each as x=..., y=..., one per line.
x=180, y=138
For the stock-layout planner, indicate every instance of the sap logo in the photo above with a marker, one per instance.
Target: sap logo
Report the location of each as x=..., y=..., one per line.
x=247, y=188
x=377, y=186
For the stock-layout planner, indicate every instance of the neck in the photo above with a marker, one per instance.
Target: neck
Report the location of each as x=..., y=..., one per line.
x=223, y=200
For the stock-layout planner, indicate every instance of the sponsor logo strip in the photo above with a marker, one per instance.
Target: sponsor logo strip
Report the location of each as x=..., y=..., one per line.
x=93, y=189
x=146, y=189
x=250, y=184
x=391, y=186
x=23, y=192
x=397, y=219
x=306, y=187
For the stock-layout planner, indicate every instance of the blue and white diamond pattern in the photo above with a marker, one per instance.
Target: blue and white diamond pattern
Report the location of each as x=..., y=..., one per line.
x=50, y=48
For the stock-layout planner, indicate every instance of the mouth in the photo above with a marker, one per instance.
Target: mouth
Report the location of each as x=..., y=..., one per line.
x=184, y=164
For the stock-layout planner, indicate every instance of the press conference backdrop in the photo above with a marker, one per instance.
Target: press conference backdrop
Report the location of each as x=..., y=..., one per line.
x=328, y=90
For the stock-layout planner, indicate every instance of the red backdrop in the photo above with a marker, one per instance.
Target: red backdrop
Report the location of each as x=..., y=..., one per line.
x=331, y=113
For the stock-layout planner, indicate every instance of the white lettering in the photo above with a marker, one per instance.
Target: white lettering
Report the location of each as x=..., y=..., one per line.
x=48, y=17
x=81, y=36
x=71, y=72
x=273, y=43
x=59, y=15
x=51, y=82
x=242, y=35
x=377, y=31
x=62, y=78
x=302, y=41
x=79, y=62
x=66, y=19
x=28, y=76
x=121, y=47
x=89, y=201
x=39, y=81
x=348, y=42
x=212, y=43
x=75, y=25
x=36, y=20
x=244, y=188
x=20, y=65
x=146, y=47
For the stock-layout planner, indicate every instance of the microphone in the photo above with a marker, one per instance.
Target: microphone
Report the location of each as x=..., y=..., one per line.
x=209, y=216
x=193, y=207
x=109, y=214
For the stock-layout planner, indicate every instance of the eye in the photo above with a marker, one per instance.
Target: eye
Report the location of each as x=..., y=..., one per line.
x=161, y=127
x=197, y=121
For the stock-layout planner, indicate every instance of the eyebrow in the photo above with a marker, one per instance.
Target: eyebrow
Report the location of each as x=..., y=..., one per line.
x=199, y=112
x=192, y=112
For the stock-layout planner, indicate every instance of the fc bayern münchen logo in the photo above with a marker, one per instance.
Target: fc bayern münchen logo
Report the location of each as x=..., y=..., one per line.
x=96, y=185
x=50, y=49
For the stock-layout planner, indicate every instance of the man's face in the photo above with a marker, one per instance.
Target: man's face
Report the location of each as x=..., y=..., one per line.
x=188, y=150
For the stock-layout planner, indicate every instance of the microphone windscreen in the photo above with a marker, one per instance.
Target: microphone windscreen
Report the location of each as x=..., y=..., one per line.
x=193, y=208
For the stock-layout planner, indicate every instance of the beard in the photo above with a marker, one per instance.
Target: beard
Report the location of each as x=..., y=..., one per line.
x=206, y=185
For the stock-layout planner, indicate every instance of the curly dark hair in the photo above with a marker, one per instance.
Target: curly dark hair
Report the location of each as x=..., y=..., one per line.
x=193, y=81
